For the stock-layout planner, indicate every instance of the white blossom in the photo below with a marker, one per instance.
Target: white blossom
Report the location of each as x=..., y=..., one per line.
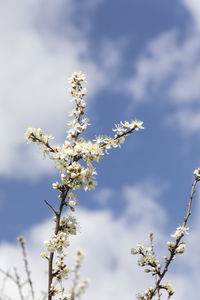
x=180, y=231
x=197, y=174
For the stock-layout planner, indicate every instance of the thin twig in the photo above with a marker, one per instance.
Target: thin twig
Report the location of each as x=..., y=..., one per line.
x=22, y=243
x=173, y=251
x=47, y=203
x=18, y=283
x=3, y=284
x=8, y=275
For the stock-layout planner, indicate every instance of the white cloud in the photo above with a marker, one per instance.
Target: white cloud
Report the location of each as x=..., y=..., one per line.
x=141, y=199
x=194, y=7
x=169, y=67
x=103, y=195
x=188, y=120
x=107, y=241
x=154, y=65
x=37, y=56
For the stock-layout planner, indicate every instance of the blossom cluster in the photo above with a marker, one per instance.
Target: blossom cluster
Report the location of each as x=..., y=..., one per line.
x=150, y=292
x=67, y=156
x=152, y=265
x=57, y=244
x=147, y=258
x=197, y=174
x=79, y=286
x=180, y=232
x=68, y=225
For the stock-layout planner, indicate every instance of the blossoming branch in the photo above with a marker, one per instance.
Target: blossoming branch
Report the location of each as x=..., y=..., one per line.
x=152, y=264
x=74, y=159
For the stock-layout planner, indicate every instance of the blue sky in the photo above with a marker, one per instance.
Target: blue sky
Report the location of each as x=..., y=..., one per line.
x=142, y=60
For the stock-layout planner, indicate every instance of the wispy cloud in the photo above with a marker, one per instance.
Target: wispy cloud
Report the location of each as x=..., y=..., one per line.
x=169, y=67
x=194, y=7
x=187, y=119
x=141, y=198
x=40, y=47
x=102, y=196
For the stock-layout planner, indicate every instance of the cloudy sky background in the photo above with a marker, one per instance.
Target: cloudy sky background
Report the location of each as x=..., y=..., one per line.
x=142, y=60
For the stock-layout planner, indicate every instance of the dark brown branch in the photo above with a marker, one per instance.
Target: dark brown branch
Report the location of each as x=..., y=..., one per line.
x=47, y=203
x=57, y=228
x=39, y=140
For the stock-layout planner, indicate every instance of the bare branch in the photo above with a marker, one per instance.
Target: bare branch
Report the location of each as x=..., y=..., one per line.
x=18, y=283
x=22, y=244
x=47, y=203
